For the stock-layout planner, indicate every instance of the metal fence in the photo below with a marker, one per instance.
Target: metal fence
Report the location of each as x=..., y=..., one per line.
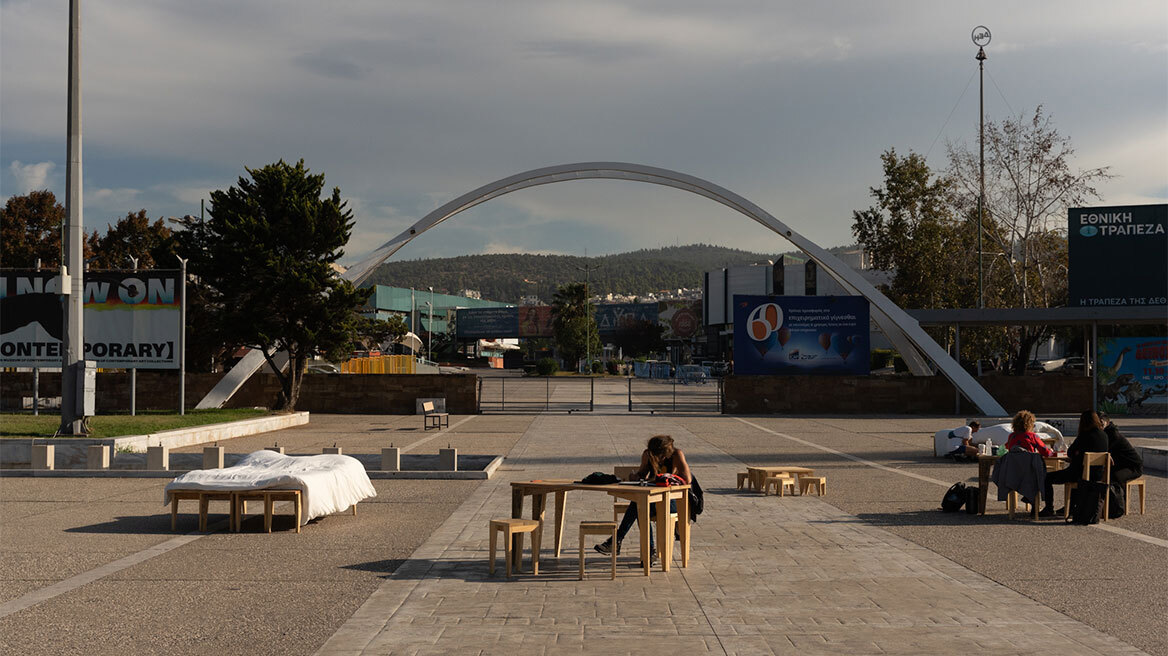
x=672, y=395
x=535, y=394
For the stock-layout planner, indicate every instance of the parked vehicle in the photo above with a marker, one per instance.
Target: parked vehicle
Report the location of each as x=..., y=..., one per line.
x=692, y=373
x=1073, y=365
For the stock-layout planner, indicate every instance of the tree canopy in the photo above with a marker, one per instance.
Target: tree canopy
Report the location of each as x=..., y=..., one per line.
x=574, y=323
x=30, y=228
x=265, y=255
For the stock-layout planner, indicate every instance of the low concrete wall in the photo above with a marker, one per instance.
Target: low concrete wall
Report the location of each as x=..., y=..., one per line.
x=334, y=393
x=898, y=394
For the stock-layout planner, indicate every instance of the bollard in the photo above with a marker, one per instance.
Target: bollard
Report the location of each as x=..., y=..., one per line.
x=448, y=459
x=98, y=457
x=391, y=459
x=332, y=449
x=44, y=456
x=277, y=449
x=212, y=457
x=157, y=458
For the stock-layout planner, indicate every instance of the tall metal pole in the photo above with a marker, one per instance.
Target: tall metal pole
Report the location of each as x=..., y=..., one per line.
x=981, y=38
x=587, y=301
x=430, y=328
x=182, y=342
x=72, y=419
x=134, y=370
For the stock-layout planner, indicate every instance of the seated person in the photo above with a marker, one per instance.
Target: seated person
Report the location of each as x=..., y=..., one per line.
x=1126, y=462
x=1089, y=439
x=961, y=442
x=661, y=457
x=1024, y=436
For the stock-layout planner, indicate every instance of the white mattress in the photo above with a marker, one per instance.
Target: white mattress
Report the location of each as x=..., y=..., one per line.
x=999, y=433
x=328, y=483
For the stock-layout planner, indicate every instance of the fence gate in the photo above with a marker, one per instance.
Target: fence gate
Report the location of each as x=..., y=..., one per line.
x=531, y=394
x=672, y=395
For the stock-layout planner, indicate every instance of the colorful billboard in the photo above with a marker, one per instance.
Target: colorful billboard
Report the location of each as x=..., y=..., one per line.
x=614, y=317
x=490, y=323
x=132, y=319
x=800, y=335
x=535, y=321
x=680, y=319
x=1132, y=375
x=1117, y=256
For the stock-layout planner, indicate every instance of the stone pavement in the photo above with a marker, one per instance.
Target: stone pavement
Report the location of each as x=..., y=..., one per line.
x=766, y=575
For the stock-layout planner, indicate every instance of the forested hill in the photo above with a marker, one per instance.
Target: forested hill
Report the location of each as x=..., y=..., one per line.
x=508, y=277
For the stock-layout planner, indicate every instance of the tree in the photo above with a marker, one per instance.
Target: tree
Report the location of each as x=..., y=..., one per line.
x=265, y=257
x=133, y=235
x=1029, y=185
x=574, y=322
x=373, y=333
x=30, y=228
x=912, y=232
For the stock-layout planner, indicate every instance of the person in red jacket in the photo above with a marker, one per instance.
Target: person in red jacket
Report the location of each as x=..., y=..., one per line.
x=1024, y=436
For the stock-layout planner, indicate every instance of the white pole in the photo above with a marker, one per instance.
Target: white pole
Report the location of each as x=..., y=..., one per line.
x=134, y=370
x=430, y=328
x=72, y=419
x=182, y=342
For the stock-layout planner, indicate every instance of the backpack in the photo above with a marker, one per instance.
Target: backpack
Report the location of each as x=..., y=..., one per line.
x=1118, y=498
x=668, y=480
x=954, y=498
x=1087, y=502
x=697, y=499
x=599, y=478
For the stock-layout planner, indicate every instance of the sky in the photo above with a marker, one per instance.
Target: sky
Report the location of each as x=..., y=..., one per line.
x=407, y=104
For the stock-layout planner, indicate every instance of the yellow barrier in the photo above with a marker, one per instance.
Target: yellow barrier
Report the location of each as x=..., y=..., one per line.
x=380, y=364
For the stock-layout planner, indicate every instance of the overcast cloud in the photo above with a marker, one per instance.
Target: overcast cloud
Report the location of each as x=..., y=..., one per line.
x=406, y=104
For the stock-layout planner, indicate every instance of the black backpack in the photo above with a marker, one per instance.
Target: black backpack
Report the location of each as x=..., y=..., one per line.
x=1087, y=502
x=697, y=499
x=954, y=498
x=1116, y=506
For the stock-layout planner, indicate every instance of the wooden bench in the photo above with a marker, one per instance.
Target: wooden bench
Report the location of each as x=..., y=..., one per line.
x=432, y=418
x=204, y=497
x=269, y=497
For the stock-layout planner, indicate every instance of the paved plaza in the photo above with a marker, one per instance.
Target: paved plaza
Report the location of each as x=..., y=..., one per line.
x=871, y=568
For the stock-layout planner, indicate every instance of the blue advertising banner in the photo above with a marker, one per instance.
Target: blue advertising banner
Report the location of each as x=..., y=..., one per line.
x=612, y=317
x=800, y=335
x=1133, y=375
x=479, y=323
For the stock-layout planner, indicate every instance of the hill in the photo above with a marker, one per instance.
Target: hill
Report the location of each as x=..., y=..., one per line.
x=509, y=277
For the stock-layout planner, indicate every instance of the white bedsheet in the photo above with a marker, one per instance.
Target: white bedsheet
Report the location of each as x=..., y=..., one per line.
x=328, y=483
x=999, y=433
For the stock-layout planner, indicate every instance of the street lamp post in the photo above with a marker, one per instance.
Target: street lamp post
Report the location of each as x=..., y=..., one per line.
x=981, y=38
x=587, y=300
x=430, y=327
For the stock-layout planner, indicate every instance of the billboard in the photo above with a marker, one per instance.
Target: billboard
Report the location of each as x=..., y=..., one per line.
x=800, y=335
x=611, y=318
x=479, y=323
x=132, y=319
x=535, y=321
x=680, y=319
x=1132, y=375
x=1117, y=255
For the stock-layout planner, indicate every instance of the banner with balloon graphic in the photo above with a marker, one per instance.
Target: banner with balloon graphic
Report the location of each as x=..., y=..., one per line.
x=801, y=335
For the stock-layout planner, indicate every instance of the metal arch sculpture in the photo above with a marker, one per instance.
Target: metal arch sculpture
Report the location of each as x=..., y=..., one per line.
x=902, y=330
x=914, y=345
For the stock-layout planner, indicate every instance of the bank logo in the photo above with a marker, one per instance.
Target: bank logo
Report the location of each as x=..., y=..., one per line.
x=764, y=321
x=1088, y=231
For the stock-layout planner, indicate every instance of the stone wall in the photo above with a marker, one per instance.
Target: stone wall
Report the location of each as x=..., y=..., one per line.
x=329, y=393
x=898, y=394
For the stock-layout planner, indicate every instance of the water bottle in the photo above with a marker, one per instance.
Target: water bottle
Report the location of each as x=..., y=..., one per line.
x=989, y=447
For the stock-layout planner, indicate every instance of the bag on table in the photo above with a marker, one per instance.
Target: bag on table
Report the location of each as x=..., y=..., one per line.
x=668, y=480
x=1087, y=502
x=954, y=498
x=599, y=478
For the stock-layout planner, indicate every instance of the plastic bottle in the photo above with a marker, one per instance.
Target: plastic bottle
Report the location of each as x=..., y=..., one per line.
x=989, y=446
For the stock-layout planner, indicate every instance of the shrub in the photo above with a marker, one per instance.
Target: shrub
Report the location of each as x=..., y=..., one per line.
x=613, y=367
x=547, y=366
x=597, y=367
x=880, y=358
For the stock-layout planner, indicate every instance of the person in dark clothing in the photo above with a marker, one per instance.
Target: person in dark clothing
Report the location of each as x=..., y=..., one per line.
x=1126, y=462
x=1090, y=439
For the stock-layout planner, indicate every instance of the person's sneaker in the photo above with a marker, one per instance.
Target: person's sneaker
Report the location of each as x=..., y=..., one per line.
x=654, y=561
x=1046, y=512
x=606, y=548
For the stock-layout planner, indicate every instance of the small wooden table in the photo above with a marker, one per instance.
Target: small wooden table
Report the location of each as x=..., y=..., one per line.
x=758, y=475
x=985, y=465
x=642, y=495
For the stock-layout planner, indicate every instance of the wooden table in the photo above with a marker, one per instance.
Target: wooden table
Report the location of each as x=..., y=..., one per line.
x=985, y=464
x=642, y=495
x=758, y=475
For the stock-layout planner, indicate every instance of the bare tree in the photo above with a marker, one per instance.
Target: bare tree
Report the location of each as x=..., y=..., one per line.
x=1029, y=185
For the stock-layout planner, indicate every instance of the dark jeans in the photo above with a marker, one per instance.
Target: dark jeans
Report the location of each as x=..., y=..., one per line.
x=1125, y=474
x=630, y=518
x=1068, y=475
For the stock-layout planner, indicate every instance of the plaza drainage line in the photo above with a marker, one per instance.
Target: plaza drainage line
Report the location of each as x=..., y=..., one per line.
x=1101, y=525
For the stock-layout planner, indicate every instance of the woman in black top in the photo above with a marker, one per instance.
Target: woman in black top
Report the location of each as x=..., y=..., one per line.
x=1126, y=461
x=660, y=457
x=1090, y=439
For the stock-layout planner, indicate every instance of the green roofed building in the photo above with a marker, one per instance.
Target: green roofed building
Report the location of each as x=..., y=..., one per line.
x=411, y=305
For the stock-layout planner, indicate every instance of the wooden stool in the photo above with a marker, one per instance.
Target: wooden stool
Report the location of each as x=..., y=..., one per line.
x=818, y=482
x=203, y=497
x=598, y=528
x=619, y=508
x=742, y=476
x=511, y=528
x=780, y=483
x=272, y=496
x=1127, y=492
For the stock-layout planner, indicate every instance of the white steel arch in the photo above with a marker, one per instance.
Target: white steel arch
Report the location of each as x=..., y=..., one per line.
x=914, y=345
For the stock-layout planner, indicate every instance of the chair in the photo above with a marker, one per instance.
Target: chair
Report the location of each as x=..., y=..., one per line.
x=808, y=482
x=1094, y=459
x=509, y=528
x=780, y=483
x=1135, y=482
x=598, y=528
x=432, y=418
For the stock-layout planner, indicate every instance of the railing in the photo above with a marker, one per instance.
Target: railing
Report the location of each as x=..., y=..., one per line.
x=536, y=394
x=673, y=395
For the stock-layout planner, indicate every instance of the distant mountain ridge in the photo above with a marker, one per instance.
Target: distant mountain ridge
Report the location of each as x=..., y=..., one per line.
x=509, y=277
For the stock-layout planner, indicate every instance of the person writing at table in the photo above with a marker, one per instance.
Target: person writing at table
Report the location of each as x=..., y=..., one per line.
x=660, y=457
x=1089, y=439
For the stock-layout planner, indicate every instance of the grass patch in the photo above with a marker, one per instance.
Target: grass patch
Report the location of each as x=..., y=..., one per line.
x=105, y=426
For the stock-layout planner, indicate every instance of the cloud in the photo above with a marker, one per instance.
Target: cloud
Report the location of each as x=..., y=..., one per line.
x=31, y=177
